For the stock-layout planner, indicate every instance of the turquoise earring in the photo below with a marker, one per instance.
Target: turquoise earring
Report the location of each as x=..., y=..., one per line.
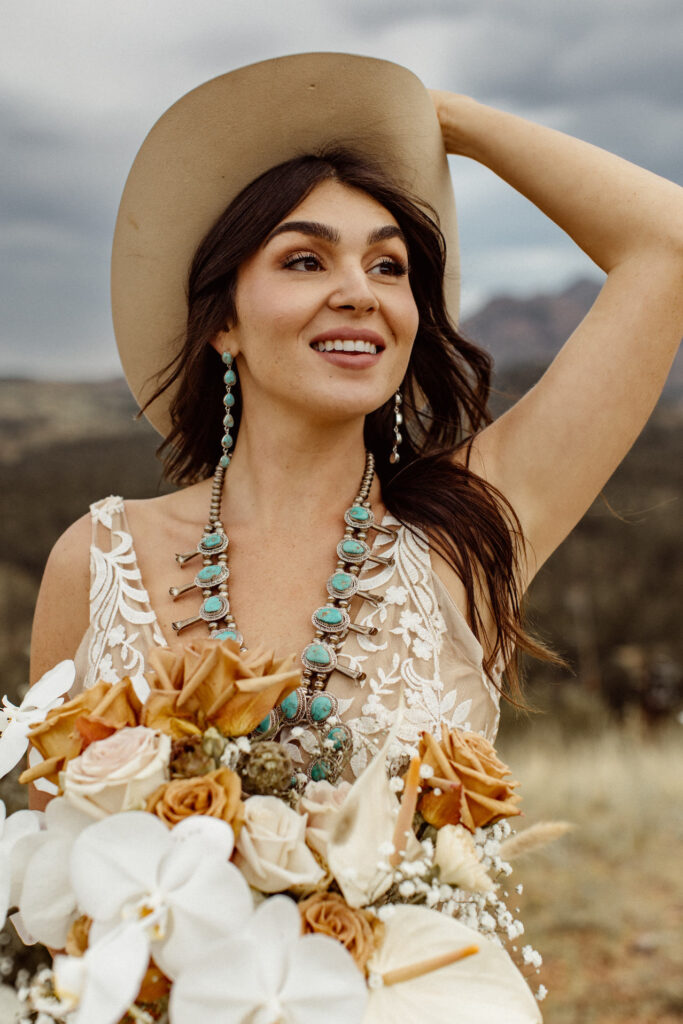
x=230, y=379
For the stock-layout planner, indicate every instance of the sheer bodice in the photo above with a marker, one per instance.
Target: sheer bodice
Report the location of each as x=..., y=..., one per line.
x=424, y=644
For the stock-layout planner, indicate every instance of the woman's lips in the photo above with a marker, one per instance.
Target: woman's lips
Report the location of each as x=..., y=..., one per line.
x=350, y=360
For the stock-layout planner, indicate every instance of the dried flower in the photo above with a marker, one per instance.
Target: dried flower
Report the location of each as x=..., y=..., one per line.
x=216, y=795
x=328, y=913
x=68, y=730
x=475, y=786
x=266, y=769
x=458, y=861
x=211, y=683
x=189, y=758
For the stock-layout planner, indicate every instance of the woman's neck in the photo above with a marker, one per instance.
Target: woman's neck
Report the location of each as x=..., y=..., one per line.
x=293, y=472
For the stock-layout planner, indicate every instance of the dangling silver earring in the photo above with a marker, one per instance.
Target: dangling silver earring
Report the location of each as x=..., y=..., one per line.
x=398, y=420
x=229, y=379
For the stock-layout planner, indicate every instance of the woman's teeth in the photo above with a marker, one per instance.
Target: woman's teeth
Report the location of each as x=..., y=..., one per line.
x=345, y=346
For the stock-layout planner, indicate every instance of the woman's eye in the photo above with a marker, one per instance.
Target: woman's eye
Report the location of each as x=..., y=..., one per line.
x=388, y=266
x=302, y=261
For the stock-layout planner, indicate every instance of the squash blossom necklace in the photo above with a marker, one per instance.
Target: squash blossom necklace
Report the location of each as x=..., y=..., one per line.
x=310, y=706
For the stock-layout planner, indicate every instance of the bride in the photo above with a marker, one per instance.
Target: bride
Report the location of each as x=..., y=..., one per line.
x=284, y=296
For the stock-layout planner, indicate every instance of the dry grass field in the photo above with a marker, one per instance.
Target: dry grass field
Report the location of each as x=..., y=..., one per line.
x=604, y=905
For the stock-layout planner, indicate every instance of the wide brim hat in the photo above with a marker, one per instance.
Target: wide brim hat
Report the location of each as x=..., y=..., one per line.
x=221, y=136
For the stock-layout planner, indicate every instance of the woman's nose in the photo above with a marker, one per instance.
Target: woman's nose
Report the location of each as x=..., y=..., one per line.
x=353, y=290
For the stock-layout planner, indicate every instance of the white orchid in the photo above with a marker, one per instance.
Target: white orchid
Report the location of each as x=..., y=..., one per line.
x=178, y=884
x=47, y=901
x=15, y=722
x=270, y=973
x=12, y=829
x=101, y=985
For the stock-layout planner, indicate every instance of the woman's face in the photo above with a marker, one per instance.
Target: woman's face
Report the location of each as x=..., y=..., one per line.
x=332, y=276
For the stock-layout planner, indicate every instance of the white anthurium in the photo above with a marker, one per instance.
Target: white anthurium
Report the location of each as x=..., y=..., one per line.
x=15, y=722
x=362, y=827
x=179, y=882
x=411, y=979
x=12, y=829
x=270, y=973
x=47, y=901
x=98, y=987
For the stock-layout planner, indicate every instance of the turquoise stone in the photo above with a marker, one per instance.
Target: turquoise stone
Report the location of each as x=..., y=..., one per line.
x=224, y=461
x=341, y=581
x=318, y=771
x=226, y=440
x=229, y=377
x=317, y=654
x=212, y=604
x=226, y=634
x=290, y=705
x=228, y=401
x=228, y=421
x=353, y=547
x=321, y=707
x=332, y=616
x=209, y=572
x=359, y=513
x=227, y=358
x=212, y=540
x=337, y=736
x=264, y=726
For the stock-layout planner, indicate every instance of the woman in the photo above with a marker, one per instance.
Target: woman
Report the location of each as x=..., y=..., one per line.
x=334, y=251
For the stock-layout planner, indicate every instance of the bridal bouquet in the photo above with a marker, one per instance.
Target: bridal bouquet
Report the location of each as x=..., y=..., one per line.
x=189, y=873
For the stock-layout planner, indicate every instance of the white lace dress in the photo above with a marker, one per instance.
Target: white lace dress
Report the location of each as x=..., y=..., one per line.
x=424, y=644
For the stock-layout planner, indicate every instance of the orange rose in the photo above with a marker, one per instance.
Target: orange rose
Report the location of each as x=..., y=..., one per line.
x=329, y=914
x=67, y=730
x=213, y=683
x=474, y=785
x=216, y=794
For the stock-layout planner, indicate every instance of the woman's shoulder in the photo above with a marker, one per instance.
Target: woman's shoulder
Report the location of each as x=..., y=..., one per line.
x=62, y=611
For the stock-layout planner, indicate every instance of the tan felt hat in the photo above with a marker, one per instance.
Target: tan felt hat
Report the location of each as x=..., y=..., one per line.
x=215, y=140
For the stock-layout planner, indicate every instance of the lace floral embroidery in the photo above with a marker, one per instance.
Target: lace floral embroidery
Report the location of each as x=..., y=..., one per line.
x=118, y=602
x=410, y=603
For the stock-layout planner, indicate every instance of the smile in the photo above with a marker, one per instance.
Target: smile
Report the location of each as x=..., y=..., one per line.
x=345, y=346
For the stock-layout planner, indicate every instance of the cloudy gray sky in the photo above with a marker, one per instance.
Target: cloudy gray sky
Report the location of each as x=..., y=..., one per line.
x=81, y=82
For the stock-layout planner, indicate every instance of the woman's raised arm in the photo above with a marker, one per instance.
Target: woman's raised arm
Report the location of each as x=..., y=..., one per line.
x=553, y=451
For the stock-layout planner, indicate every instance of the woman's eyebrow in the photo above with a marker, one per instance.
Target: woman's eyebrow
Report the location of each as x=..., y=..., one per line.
x=328, y=234
x=306, y=227
x=388, y=231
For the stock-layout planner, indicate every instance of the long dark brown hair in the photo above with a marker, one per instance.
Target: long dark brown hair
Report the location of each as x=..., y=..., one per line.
x=446, y=390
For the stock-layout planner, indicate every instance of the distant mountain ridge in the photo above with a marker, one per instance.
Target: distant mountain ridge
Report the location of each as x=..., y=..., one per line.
x=530, y=330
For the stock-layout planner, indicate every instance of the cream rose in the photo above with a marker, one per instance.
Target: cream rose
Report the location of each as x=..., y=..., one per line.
x=271, y=849
x=320, y=802
x=457, y=859
x=117, y=773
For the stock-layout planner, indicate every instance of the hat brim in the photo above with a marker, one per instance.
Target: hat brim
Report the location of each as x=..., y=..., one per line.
x=221, y=136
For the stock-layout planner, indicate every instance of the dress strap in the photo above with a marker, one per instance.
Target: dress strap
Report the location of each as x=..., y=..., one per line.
x=123, y=625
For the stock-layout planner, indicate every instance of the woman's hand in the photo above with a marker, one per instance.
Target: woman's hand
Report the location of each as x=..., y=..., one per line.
x=448, y=105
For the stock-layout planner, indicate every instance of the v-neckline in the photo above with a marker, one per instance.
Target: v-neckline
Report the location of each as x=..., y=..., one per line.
x=156, y=624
